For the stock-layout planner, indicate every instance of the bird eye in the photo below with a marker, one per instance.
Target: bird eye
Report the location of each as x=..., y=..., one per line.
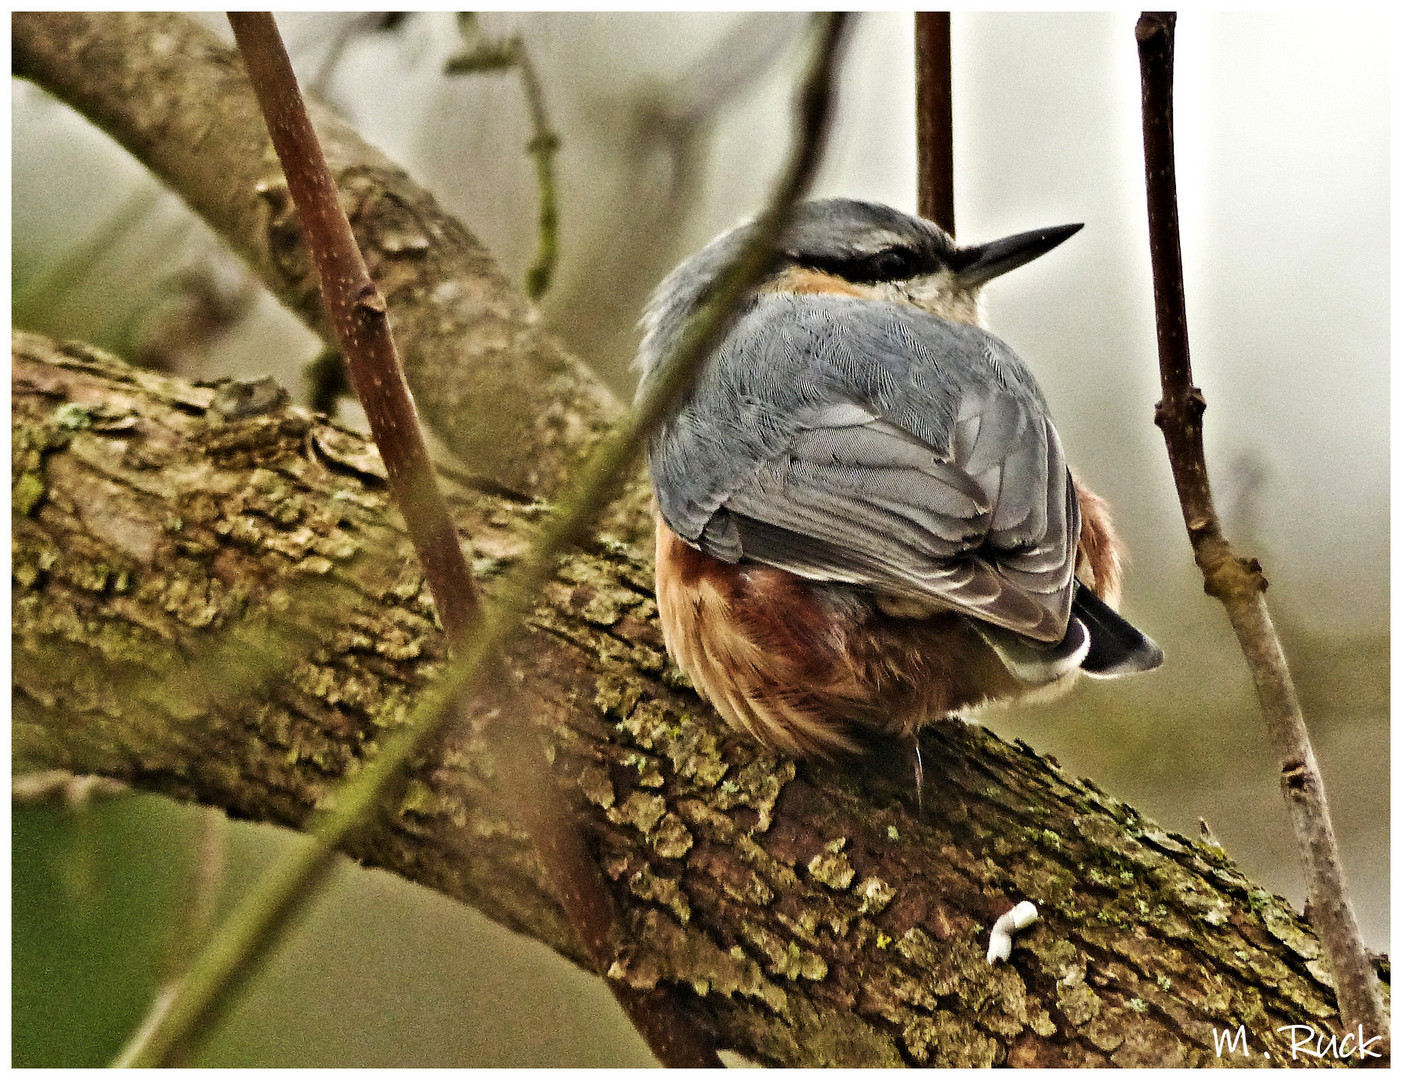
x=890, y=264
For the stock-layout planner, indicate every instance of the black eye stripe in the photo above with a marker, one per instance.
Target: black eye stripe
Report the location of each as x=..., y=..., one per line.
x=888, y=264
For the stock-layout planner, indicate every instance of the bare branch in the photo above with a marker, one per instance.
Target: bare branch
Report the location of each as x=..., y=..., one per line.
x=1238, y=582
x=360, y=319
x=543, y=146
x=934, y=118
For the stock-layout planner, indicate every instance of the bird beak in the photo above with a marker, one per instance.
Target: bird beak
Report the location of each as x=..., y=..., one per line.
x=975, y=266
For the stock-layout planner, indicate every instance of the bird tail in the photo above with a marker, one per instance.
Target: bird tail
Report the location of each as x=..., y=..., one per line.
x=1098, y=641
x=1116, y=647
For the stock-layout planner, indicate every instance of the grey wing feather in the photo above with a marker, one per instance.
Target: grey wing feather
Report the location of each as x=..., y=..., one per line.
x=864, y=442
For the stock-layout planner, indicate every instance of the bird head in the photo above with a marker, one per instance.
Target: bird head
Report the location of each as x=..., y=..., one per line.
x=866, y=249
x=854, y=248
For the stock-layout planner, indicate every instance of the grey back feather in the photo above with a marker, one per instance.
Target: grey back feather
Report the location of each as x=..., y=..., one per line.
x=861, y=441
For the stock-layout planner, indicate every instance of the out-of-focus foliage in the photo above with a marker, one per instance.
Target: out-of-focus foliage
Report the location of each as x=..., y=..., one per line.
x=379, y=973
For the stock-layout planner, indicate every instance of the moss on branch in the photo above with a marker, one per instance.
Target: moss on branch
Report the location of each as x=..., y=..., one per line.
x=805, y=909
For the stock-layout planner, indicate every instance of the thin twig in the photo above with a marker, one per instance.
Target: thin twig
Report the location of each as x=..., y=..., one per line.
x=361, y=321
x=227, y=961
x=543, y=146
x=604, y=472
x=1238, y=583
x=484, y=54
x=934, y=118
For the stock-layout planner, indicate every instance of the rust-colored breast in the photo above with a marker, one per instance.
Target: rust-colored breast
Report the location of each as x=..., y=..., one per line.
x=799, y=665
x=751, y=639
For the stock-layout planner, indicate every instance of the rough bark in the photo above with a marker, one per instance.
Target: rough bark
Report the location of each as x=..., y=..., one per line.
x=810, y=915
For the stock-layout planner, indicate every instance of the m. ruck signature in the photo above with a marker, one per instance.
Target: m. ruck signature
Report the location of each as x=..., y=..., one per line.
x=1305, y=1040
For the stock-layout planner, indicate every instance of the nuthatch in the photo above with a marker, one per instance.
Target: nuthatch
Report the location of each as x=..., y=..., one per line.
x=866, y=520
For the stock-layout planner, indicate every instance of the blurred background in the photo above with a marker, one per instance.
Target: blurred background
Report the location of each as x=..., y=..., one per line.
x=671, y=127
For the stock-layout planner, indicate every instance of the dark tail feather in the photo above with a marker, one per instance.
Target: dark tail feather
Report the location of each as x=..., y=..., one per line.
x=1116, y=647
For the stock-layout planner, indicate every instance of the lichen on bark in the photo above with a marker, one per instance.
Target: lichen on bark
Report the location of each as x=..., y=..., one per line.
x=807, y=910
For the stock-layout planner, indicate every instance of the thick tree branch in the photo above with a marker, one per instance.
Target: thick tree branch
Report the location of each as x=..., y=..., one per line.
x=803, y=910
x=1238, y=582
